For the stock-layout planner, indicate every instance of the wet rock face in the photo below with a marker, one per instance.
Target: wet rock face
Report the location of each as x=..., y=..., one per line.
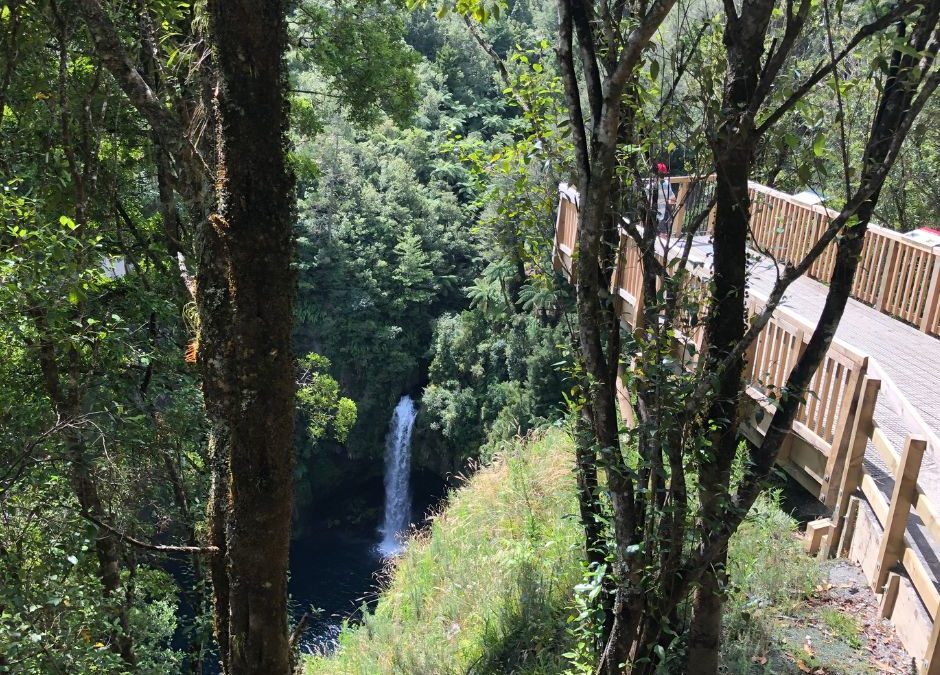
x=430, y=452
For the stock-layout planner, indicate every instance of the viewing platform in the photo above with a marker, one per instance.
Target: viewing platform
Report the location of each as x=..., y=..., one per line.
x=867, y=441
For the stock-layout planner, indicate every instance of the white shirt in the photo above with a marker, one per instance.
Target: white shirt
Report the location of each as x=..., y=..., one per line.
x=664, y=196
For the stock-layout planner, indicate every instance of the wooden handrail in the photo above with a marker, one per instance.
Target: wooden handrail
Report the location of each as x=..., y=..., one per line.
x=899, y=277
x=896, y=275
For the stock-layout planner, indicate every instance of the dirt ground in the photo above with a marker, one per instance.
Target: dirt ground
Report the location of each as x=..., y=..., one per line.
x=837, y=631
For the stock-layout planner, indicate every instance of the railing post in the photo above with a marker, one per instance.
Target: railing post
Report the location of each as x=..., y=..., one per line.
x=617, y=278
x=932, y=305
x=633, y=250
x=559, y=225
x=751, y=351
x=887, y=273
x=848, y=409
x=678, y=219
x=931, y=660
x=890, y=597
x=905, y=482
x=862, y=430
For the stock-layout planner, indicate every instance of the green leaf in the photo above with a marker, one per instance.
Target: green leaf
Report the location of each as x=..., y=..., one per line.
x=819, y=145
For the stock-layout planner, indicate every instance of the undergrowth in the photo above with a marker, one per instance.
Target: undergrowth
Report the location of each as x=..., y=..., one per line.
x=488, y=589
x=770, y=575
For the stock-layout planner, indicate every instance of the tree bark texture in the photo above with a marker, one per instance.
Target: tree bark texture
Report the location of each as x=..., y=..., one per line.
x=733, y=148
x=245, y=291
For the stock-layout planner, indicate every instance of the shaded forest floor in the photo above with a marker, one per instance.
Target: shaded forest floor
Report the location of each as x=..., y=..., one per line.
x=836, y=630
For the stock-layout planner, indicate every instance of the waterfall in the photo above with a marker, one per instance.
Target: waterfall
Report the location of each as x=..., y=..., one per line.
x=397, y=472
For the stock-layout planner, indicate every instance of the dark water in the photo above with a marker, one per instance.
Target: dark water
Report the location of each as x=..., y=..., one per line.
x=338, y=568
x=333, y=570
x=335, y=565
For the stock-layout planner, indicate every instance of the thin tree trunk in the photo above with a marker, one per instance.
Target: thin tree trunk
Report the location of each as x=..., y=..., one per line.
x=734, y=150
x=67, y=403
x=589, y=507
x=705, y=632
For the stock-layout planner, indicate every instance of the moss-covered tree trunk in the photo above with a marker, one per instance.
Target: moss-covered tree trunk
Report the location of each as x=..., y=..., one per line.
x=245, y=292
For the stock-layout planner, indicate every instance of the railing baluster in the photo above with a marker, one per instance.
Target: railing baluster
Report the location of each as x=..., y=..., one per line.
x=905, y=482
x=930, y=322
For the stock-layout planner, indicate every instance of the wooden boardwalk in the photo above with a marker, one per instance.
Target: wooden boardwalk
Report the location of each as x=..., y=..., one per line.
x=910, y=360
x=908, y=356
x=904, y=355
x=867, y=442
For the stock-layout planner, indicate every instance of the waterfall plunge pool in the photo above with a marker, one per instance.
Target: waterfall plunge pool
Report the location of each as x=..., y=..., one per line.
x=338, y=569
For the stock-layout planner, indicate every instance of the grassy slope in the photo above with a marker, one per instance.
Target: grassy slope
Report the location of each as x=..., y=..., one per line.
x=489, y=588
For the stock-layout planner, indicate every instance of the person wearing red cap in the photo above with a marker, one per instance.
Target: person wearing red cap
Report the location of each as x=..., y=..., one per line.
x=663, y=195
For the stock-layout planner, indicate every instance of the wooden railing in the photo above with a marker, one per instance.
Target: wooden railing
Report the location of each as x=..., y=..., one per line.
x=848, y=410
x=627, y=281
x=824, y=421
x=900, y=277
x=566, y=231
x=852, y=405
x=896, y=275
x=880, y=537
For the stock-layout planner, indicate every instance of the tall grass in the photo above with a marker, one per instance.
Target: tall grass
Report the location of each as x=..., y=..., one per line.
x=770, y=575
x=487, y=590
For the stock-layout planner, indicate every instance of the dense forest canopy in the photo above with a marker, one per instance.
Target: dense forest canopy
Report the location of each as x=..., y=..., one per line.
x=233, y=236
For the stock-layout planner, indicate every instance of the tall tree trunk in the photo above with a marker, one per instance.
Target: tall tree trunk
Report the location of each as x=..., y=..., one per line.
x=734, y=150
x=724, y=330
x=245, y=292
x=705, y=631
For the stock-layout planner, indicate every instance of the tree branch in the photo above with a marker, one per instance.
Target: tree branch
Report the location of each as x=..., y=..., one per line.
x=111, y=50
x=636, y=42
x=121, y=536
x=823, y=69
x=581, y=15
x=572, y=92
x=496, y=58
x=776, y=59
